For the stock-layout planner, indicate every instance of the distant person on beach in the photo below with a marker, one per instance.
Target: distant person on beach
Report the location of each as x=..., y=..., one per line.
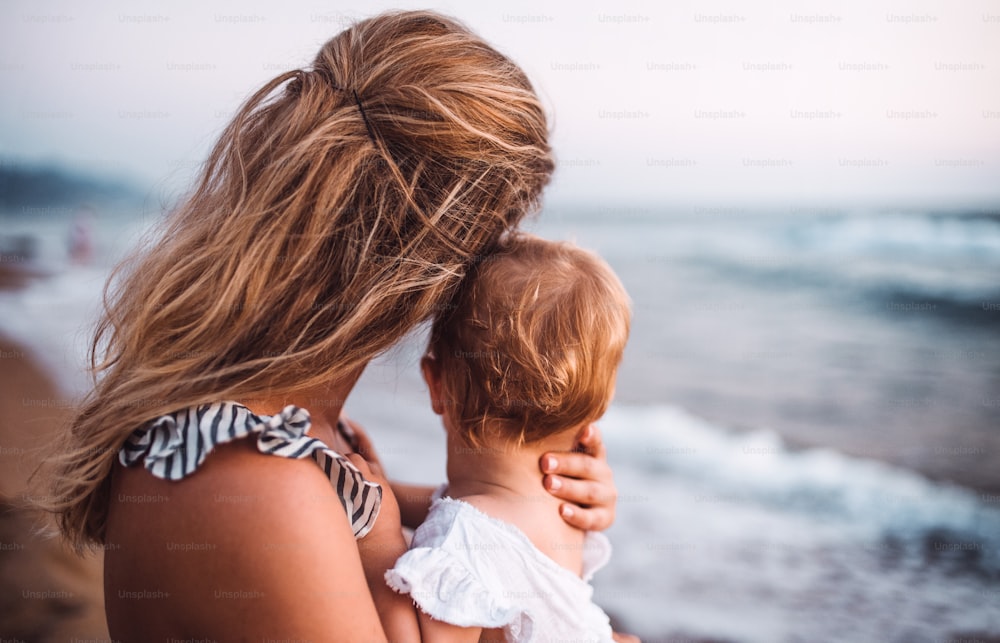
x=523, y=363
x=341, y=207
x=81, y=237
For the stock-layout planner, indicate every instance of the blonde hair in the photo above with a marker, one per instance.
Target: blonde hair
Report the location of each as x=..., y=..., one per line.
x=340, y=207
x=533, y=342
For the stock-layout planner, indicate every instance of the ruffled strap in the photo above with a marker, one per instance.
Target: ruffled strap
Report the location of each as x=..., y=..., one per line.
x=596, y=553
x=174, y=446
x=445, y=589
x=361, y=498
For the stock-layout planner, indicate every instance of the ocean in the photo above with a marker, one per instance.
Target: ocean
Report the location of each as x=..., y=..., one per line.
x=806, y=428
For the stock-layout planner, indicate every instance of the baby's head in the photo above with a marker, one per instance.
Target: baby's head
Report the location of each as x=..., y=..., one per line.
x=531, y=346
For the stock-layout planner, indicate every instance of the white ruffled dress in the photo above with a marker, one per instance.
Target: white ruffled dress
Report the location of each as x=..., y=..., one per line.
x=472, y=570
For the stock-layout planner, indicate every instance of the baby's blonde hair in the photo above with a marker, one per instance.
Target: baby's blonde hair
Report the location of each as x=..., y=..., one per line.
x=341, y=207
x=532, y=342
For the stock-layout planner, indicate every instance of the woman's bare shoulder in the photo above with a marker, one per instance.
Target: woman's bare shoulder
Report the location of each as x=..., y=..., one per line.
x=249, y=543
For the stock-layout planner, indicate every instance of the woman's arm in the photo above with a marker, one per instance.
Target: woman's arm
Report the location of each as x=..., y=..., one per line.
x=379, y=550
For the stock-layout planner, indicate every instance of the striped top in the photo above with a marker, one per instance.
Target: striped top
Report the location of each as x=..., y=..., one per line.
x=173, y=446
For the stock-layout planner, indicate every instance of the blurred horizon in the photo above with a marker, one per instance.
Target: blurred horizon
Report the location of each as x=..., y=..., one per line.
x=91, y=186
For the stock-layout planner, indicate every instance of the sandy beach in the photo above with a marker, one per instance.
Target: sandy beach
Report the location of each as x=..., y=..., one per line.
x=47, y=593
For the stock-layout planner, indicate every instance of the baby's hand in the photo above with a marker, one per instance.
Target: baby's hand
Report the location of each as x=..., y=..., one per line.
x=362, y=444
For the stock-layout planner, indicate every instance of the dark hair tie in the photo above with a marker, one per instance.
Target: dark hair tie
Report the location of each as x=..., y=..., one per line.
x=328, y=77
x=364, y=117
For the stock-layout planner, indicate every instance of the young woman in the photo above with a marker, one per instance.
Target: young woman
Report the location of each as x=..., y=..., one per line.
x=339, y=209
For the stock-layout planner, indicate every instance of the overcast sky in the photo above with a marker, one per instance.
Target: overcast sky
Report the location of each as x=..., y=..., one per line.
x=848, y=102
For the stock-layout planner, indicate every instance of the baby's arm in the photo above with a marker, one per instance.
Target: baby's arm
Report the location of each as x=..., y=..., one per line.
x=441, y=632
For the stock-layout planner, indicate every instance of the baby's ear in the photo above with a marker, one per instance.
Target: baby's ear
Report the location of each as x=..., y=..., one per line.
x=431, y=369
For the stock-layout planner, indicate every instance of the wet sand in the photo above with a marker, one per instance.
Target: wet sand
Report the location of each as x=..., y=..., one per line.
x=47, y=593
